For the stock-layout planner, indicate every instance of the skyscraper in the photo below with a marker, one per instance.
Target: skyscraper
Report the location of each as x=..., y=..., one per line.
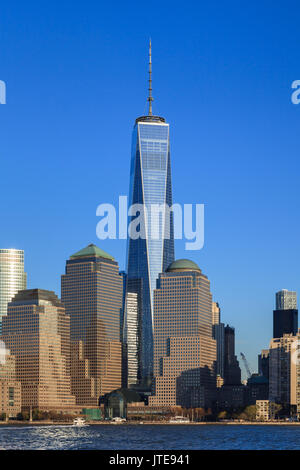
x=286, y=300
x=92, y=293
x=131, y=337
x=184, y=350
x=283, y=370
x=12, y=277
x=285, y=317
x=37, y=332
x=219, y=336
x=263, y=363
x=10, y=388
x=152, y=252
x=232, y=371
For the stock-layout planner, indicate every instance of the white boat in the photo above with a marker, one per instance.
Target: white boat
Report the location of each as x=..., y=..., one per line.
x=80, y=422
x=179, y=420
x=117, y=419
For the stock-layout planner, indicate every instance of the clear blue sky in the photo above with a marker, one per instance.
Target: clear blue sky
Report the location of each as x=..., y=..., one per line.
x=76, y=75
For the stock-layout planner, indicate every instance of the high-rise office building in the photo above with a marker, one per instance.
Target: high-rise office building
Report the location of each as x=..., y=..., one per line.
x=283, y=370
x=263, y=363
x=10, y=387
x=285, y=317
x=232, y=371
x=37, y=332
x=12, y=277
x=131, y=338
x=153, y=251
x=216, y=313
x=286, y=300
x=218, y=329
x=184, y=350
x=92, y=293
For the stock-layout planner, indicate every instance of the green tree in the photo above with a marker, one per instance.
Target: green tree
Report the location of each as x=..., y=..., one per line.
x=222, y=415
x=249, y=413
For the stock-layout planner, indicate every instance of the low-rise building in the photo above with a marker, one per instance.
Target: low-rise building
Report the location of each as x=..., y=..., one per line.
x=265, y=410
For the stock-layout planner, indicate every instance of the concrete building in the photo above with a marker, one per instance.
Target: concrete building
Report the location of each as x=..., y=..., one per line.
x=12, y=277
x=184, y=350
x=36, y=330
x=92, y=293
x=265, y=410
x=216, y=313
x=257, y=389
x=131, y=340
x=231, y=397
x=218, y=330
x=10, y=387
x=283, y=370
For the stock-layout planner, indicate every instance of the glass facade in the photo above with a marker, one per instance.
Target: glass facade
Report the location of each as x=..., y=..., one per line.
x=12, y=277
x=151, y=254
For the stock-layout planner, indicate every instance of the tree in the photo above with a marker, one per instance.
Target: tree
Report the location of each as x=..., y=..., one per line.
x=249, y=412
x=222, y=415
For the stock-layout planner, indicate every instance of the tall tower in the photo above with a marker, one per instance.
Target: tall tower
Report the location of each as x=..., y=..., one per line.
x=286, y=300
x=12, y=277
x=184, y=350
x=285, y=317
x=153, y=251
x=36, y=331
x=92, y=292
x=232, y=371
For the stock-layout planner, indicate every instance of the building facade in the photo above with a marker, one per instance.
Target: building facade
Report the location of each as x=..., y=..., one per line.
x=36, y=330
x=153, y=251
x=285, y=317
x=263, y=363
x=184, y=350
x=232, y=371
x=12, y=277
x=283, y=370
x=131, y=339
x=265, y=410
x=92, y=293
x=218, y=329
x=10, y=387
x=286, y=300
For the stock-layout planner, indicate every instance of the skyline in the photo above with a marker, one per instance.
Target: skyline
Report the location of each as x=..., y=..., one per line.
x=50, y=218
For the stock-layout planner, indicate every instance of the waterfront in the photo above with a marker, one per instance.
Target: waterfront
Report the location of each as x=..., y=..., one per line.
x=163, y=437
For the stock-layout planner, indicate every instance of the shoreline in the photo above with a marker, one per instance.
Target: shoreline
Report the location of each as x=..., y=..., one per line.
x=152, y=423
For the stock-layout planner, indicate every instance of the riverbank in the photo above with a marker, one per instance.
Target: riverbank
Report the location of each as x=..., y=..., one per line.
x=152, y=423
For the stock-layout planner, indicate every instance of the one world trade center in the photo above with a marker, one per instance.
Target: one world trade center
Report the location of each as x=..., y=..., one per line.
x=153, y=251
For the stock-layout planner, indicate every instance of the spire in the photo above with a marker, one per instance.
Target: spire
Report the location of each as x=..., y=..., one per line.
x=150, y=99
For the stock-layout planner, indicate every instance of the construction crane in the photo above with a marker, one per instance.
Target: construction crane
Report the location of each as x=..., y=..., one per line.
x=246, y=365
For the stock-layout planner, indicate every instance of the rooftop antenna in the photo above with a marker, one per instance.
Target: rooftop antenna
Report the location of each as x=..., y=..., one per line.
x=150, y=99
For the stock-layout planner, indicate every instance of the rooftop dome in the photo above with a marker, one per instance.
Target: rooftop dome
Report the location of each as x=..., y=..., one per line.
x=183, y=265
x=91, y=250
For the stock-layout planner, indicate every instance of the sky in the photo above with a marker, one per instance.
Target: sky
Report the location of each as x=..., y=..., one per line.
x=76, y=78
